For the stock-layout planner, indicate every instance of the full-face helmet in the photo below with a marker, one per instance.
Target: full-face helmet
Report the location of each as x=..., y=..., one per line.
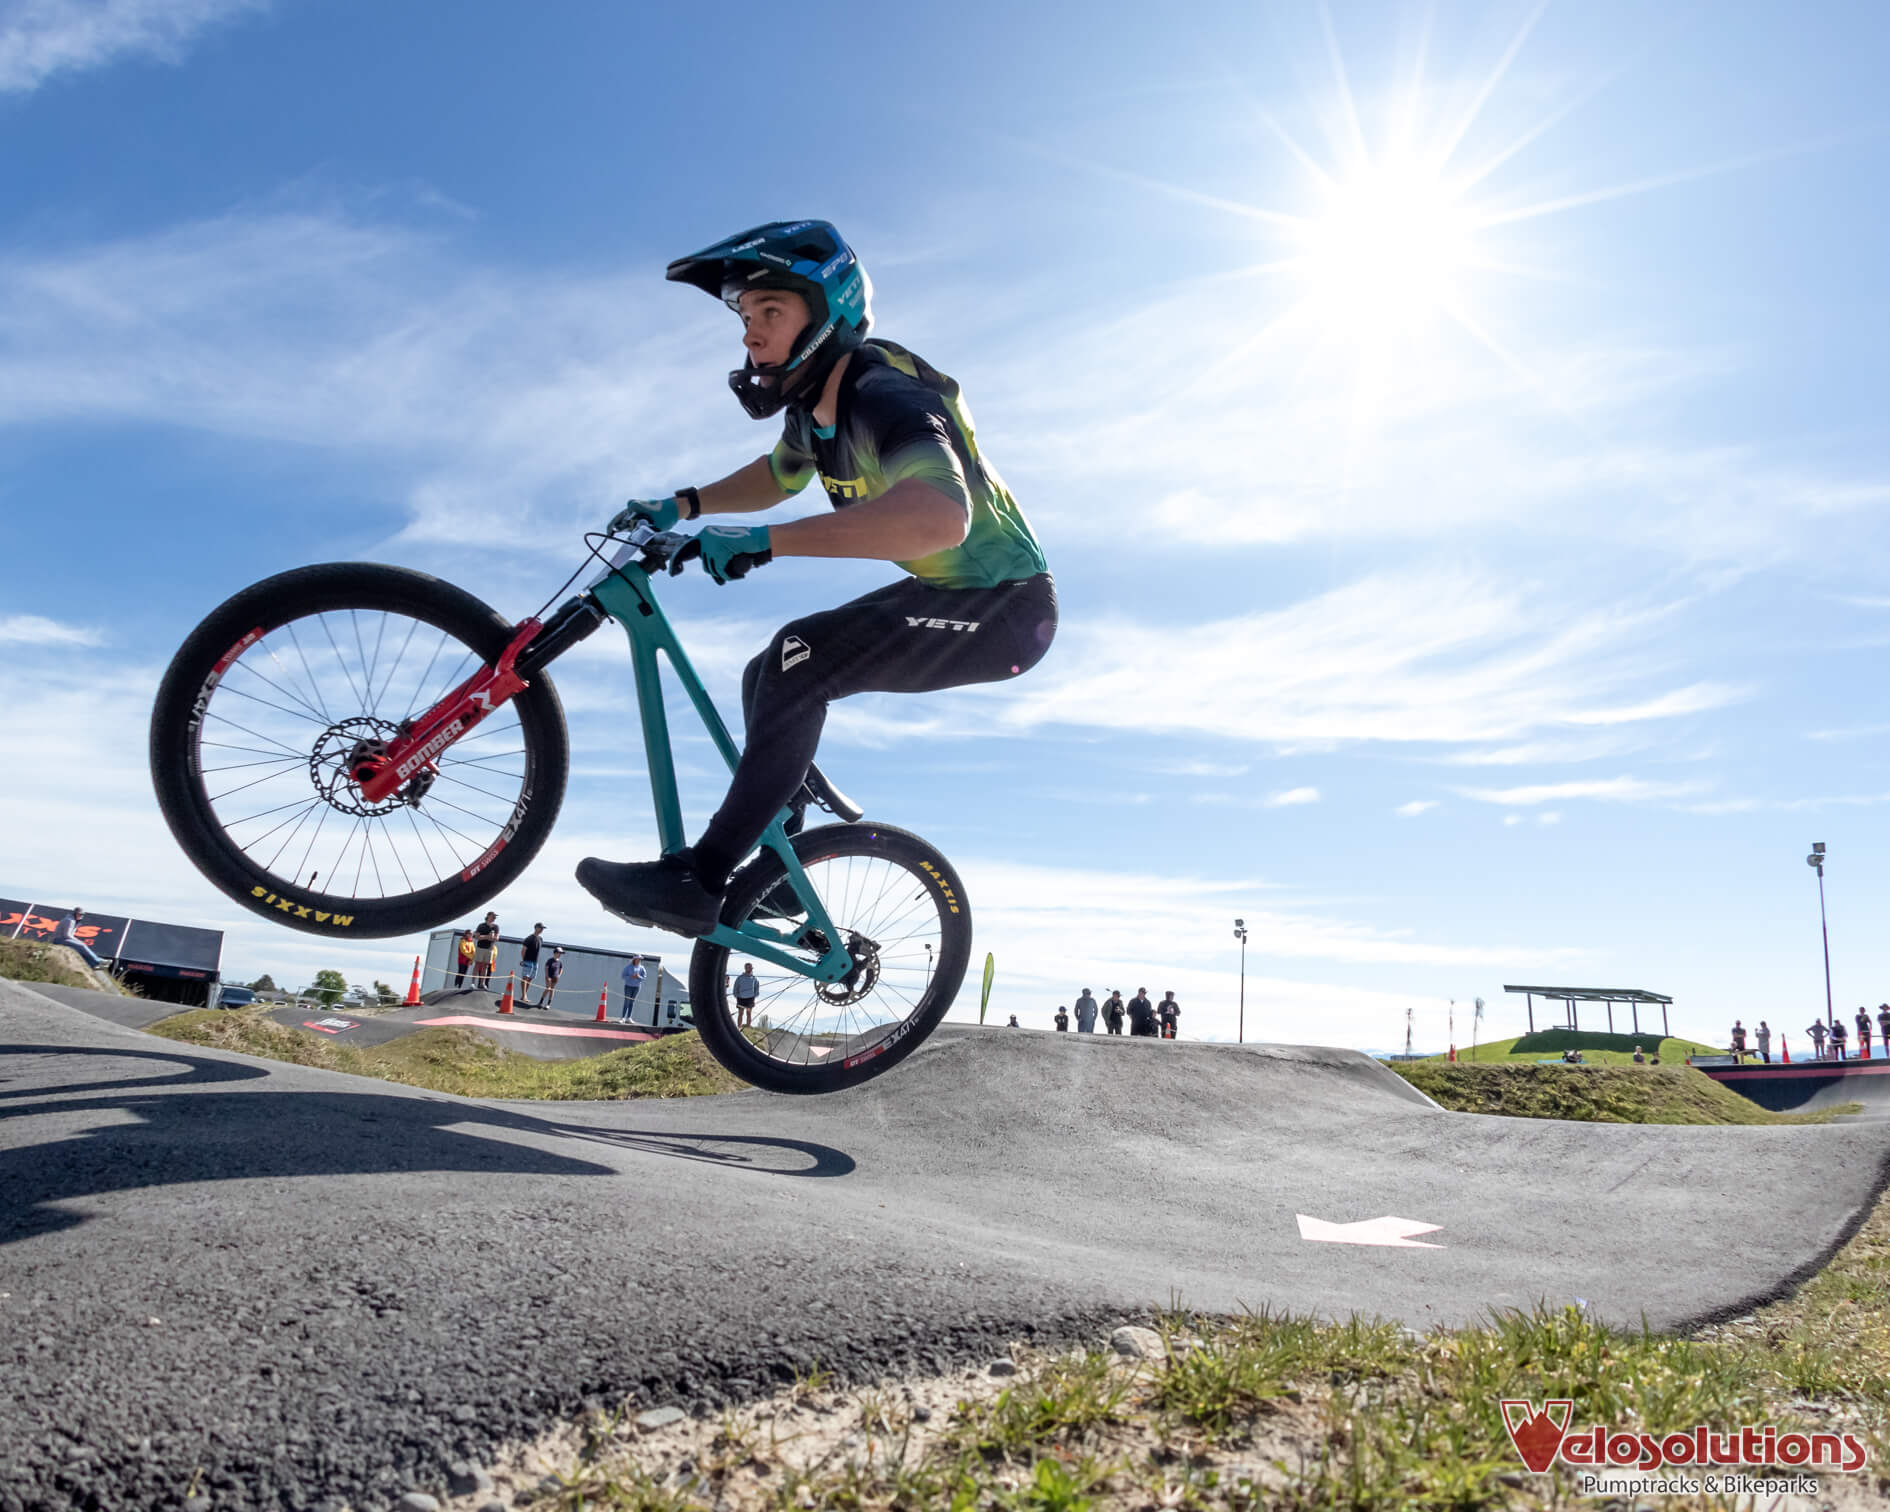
x=810, y=258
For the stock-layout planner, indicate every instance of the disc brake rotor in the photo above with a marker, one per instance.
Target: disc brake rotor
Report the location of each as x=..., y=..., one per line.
x=337, y=751
x=861, y=980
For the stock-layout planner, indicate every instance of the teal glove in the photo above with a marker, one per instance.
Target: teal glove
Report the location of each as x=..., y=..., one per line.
x=662, y=513
x=727, y=551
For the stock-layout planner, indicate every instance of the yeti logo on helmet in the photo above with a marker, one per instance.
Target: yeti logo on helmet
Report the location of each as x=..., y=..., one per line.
x=808, y=258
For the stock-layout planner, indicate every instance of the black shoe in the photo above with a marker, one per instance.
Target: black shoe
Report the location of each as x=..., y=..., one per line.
x=662, y=894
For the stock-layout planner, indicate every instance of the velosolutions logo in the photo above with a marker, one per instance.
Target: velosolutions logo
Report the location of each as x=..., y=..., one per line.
x=1542, y=1435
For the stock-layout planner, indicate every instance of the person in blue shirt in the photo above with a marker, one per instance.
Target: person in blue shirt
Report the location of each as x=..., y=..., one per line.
x=633, y=975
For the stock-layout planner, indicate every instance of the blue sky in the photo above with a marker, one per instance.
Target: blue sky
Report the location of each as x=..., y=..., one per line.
x=1457, y=435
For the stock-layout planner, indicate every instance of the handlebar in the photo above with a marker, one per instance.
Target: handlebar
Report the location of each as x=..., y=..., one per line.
x=644, y=546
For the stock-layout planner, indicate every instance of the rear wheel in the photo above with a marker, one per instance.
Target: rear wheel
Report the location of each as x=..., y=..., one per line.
x=902, y=914
x=262, y=708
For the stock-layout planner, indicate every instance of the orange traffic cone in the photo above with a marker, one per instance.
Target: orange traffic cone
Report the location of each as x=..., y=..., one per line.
x=505, y=1003
x=413, y=987
x=1784, y=1051
x=603, y=1003
x=1453, y=1054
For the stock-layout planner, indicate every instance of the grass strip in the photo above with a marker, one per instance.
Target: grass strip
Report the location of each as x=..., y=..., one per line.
x=1264, y=1410
x=37, y=961
x=465, y=1062
x=1665, y=1094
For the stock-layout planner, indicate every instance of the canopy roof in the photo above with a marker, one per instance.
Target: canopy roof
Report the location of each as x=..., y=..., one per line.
x=1593, y=994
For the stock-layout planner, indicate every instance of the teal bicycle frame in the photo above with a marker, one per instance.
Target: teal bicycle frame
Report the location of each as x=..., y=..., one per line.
x=624, y=593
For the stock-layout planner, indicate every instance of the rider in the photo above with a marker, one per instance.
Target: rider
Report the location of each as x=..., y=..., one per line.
x=891, y=441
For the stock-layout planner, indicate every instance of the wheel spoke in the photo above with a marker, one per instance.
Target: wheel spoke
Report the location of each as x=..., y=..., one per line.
x=340, y=660
x=314, y=683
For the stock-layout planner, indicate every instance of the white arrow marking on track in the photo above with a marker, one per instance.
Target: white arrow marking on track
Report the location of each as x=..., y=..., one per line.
x=1393, y=1232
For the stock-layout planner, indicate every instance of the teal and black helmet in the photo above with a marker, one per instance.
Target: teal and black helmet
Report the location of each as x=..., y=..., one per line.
x=810, y=258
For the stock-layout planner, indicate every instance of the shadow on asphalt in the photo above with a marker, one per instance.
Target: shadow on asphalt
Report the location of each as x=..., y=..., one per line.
x=276, y=1132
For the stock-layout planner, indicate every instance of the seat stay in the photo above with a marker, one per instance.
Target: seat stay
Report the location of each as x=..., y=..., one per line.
x=625, y=594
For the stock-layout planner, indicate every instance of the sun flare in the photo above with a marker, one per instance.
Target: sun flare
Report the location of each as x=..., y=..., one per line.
x=1387, y=250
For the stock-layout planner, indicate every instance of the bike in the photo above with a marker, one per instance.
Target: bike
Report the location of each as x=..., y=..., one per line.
x=361, y=751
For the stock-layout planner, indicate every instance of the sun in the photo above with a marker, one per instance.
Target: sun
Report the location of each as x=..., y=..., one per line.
x=1387, y=250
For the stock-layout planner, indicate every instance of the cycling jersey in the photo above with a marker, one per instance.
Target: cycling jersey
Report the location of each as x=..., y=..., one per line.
x=898, y=417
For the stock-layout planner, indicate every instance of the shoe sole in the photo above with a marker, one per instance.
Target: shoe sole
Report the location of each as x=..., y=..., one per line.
x=669, y=923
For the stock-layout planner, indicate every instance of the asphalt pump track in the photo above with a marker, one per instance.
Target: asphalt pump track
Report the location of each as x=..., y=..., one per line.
x=301, y=1286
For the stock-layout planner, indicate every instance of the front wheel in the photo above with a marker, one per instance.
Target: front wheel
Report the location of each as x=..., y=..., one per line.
x=263, y=708
x=902, y=912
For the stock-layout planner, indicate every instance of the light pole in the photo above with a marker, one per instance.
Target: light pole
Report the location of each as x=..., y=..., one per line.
x=1240, y=934
x=1816, y=859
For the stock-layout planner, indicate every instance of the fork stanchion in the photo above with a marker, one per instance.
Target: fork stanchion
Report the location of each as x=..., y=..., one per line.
x=505, y=1003
x=603, y=1003
x=413, y=987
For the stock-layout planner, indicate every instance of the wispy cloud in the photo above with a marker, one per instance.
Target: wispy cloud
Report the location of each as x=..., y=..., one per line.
x=1263, y=426
x=1540, y=752
x=1855, y=732
x=41, y=38
x=522, y=401
x=35, y=630
x=1788, y=805
x=1413, y=657
x=1606, y=790
x=1415, y=807
x=1203, y=768
x=1293, y=797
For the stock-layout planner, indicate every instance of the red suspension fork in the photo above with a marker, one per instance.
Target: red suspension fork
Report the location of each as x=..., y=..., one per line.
x=415, y=751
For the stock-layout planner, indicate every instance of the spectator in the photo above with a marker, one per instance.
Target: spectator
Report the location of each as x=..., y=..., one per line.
x=1113, y=1011
x=747, y=989
x=1654, y=1059
x=463, y=954
x=1816, y=1030
x=1085, y=1013
x=1765, y=1042
x=1013, y=1024
x=1738, y=1041
x=528, y=964
x=1839, y=1034
x=554, y=968
x=1639, y=1059
x=1063, y=1019
x=66, y=933
x=1863, y=1034
x=1883, y=1026
x=1169, y=1012
x=487, y=938
x=1141, y=1015
x=633, y=975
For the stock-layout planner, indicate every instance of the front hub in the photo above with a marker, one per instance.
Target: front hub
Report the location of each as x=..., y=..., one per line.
x=346, y=755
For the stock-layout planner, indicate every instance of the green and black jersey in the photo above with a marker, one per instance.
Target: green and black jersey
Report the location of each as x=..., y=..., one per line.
x=898, y=417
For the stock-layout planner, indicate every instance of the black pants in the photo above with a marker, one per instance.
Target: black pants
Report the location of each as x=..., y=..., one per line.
x=907, y=637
